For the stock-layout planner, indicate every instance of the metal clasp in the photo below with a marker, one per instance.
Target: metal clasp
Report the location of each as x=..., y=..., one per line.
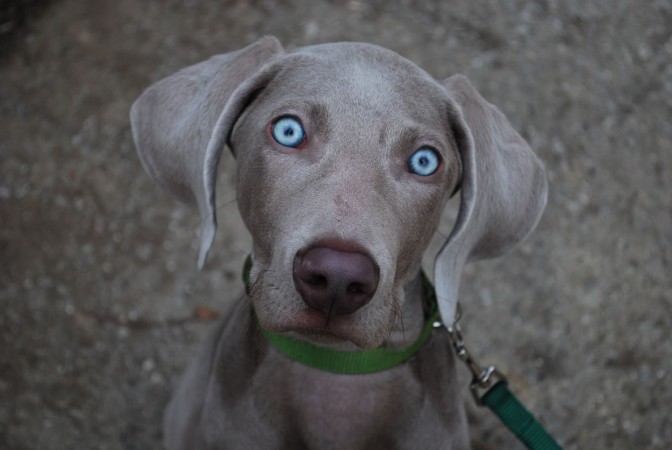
x=482, y=378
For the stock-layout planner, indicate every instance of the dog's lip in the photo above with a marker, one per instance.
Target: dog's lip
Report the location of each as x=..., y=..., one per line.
x=323, y=337
x=310, y=325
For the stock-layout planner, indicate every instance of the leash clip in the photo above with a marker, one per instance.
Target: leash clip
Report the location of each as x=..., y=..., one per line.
x=482, y=378
x=489, y=388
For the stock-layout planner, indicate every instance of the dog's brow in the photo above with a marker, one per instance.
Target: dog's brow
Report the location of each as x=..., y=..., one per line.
x=412, y=137
x=319, y=116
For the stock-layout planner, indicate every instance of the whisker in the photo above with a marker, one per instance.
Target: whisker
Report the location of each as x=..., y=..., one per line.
x=226, y=195
x=256, y=284
x=442, y=234
x=275, y=227
x=239, y=249
x=226, y=203
x=396, y=307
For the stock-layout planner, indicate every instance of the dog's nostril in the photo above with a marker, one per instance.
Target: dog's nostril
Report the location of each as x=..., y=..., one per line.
x=318, y=281
x=355, y=288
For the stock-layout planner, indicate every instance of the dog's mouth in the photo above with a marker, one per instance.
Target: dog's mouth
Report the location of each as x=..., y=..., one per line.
x=325, y=337
x=340, y=332
x=329, y=302
x=330, y=330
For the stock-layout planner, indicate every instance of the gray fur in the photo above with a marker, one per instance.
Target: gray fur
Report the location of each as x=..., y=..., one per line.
x=365, y=110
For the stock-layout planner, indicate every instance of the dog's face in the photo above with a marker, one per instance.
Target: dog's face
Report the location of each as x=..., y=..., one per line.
x=346, y=156
x=367, y=164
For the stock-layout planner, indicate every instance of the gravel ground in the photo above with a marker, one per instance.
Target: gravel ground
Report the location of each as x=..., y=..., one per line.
x=101, y=302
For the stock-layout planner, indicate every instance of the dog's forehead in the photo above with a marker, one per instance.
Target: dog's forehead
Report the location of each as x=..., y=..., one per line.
x=365, y=74
x=353, y=58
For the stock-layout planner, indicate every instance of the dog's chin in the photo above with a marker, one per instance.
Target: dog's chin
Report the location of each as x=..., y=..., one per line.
x=339, y=332
x=326, y=338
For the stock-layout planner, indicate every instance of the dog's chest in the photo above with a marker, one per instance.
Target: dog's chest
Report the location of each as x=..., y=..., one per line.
x=354, y=410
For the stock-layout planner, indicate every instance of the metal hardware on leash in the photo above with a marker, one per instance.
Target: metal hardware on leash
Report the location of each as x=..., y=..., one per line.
x=489, y=388
x=482, y=378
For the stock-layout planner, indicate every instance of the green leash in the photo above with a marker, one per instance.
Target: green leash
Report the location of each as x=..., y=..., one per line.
x=488, y=386
x=517, y=418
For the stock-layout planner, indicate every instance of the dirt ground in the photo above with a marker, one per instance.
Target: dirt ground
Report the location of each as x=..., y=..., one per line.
x=101, y=305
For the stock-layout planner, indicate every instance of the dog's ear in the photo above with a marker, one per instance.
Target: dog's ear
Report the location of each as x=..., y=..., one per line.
x=181, y=124
x=503, y=189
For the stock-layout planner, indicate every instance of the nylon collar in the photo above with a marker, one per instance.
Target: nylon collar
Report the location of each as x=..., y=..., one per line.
x=350, y=362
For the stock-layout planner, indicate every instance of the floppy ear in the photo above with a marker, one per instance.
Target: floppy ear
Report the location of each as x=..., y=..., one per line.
x=181, y=124
x=503, y=190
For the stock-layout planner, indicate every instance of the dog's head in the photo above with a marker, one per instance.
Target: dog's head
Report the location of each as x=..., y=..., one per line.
x=347, y=154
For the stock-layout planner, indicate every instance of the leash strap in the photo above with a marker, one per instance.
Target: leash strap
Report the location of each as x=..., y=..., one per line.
x=517, y=418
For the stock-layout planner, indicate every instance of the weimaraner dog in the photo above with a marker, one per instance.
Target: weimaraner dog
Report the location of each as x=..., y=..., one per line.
x=346, y=155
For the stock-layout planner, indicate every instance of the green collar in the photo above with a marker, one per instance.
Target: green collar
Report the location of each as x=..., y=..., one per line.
x=355, y=362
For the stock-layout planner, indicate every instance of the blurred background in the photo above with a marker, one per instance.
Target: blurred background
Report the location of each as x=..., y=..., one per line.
x=101, y=304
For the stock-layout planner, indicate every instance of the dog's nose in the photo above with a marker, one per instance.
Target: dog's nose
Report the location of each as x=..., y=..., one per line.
x=335, y=281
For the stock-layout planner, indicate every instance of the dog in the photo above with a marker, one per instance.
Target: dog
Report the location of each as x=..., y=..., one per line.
x=346, y=154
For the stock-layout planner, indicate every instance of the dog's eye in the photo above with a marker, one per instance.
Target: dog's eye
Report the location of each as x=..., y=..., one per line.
x=424, y=162
x=288, y=132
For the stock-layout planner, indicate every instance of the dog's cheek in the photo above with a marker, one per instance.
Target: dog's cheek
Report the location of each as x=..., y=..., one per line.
x=419, y=220
x=275, y=216
x=252, y=201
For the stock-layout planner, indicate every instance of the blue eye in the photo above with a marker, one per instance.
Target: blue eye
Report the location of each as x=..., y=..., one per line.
x=424, y=162
x=288, y=132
